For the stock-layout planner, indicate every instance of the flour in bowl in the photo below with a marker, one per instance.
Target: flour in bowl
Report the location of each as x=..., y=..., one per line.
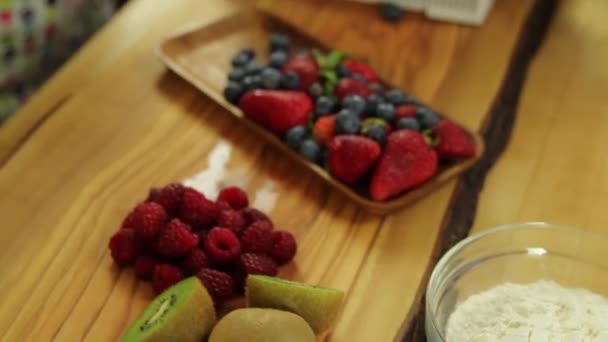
x=539, y=312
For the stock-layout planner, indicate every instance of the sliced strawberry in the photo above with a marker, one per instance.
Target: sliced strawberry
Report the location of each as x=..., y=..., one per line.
x=351, y=86
x=325, y=129
x=306, y=67
x=277, y=110
x=350, y=157
x=362, y=69
x=453, y=141
x=407, y=162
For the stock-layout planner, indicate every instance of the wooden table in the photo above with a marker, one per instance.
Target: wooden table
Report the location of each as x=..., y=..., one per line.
x=113, y=122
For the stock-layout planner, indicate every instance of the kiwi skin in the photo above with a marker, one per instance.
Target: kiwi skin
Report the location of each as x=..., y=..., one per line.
x=262, y=325
x=183, y=312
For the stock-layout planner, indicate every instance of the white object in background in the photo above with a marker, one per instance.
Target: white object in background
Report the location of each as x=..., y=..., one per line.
x=471, y=12
x=410, y=5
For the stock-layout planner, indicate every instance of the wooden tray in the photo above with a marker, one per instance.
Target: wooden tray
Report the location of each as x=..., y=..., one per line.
x=201, y=55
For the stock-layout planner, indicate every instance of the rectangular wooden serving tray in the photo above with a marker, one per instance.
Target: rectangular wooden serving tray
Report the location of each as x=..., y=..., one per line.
x=201, y=55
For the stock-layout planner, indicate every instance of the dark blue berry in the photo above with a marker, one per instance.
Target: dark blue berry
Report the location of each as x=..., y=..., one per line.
x=233, y=92
x=290, y=80
x=412, y=100
x=391, y=12
x=324, y=105
x=253, y=68
x=243, y=57
x=408, y=123
x=355, y=103
x=279, y=41
x=426, y=118
x=343, y=71
x=237, y=74
x=315, y=90
x=395, y=96
x=347, y=122
x=386, y=111
x=372, y=103
x=278, y=59
x=359, y=78
x=270, y=78
x=295, y=136
x=310, y=150
x=252, y=82
x=378, y=133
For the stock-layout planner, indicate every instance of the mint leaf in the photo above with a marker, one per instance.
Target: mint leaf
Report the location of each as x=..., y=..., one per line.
x=319, y=57
x=334, y=59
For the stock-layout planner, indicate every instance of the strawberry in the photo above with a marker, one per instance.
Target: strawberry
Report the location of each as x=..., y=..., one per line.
x=407, y=161
x=306, y=67
x=454, y=142
x=362, y=69
x=351, y=86
x=405, y=111
x=277, y=110
x=325, y=129
x=350, y=157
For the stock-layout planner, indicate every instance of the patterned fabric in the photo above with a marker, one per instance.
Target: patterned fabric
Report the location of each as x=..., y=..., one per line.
x=37, y=36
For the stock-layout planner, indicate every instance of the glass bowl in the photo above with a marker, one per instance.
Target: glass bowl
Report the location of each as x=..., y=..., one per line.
x=518, y=253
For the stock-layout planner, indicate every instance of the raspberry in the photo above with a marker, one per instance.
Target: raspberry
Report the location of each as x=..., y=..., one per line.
x=251, y=263
x=194, y=262
x=222, y=246
x=169, y=197
x=219, y=284
x=165, y=276
x=202, y=236
x=284, y=246
x=405, y=111
x=144, y=266
x=152, y=195
x=252, y=214
x=223, y=205
x=232, y=220
x=257, y=238
x=148, y=220
x=197, y=210
x=176, y=239
x=124, y=246
x=235, y=196
x=129, y=221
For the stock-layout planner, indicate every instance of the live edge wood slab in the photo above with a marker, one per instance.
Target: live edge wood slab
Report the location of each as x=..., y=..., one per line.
x=114, y=122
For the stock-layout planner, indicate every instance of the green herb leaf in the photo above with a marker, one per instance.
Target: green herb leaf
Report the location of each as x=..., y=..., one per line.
x=319, y=57
x=333, y=59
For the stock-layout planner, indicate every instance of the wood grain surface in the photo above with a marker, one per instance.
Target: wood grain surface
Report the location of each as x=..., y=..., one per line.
x=113, y=122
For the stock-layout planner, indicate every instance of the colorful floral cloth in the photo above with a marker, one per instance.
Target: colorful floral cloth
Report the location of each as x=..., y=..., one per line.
x=36, y=36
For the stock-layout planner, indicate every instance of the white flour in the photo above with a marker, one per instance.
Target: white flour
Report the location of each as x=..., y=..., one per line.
x=539, y=312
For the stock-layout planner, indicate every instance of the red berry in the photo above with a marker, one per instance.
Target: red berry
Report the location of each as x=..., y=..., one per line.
x=232, y=220
x=148, y=220
x=176, y=239
x=361, y=68
x=222, y=246
x=219, y=284
x=194, y=262
x=284, y=246
x=165, y=276
x=257, y=238
x=234, y=196
x=405, y=111
x=129, y=221
x=197, y=210
x=124, y=246
x=351, y=86
x=144, y=266
x=169, y=197
x=152, y=195
x=454, y=141
x=325, y=129
x=223, y=205
x=252, y=215
x=251, y=263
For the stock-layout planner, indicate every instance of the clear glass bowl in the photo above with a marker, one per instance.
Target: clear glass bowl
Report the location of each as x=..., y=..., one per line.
x=519, y=253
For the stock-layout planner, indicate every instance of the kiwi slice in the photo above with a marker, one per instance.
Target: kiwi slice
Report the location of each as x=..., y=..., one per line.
x=262, y=325
x=183, y=312
x=319, y=306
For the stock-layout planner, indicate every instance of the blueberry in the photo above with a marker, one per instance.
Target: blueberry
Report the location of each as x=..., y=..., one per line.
x=359, y=78
x=324, y=105
x=372, y=103
x=386, y=111
x=426, y=118
x=343, y=71
x=395, y=96
x=347, y=123
x=355, y=103
x=253, y=68
x=310, y=150
x=290, y=80
x=408, y=123
x=252, y=82
x=412, y=100
x=279, y=41
x=243, y=57
x=315, y=90
x=237, y=74
x=378, y=133
x=295, y=136
x=391, y=12
x=278, y=58
x=270, y=78
x=233, y=92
